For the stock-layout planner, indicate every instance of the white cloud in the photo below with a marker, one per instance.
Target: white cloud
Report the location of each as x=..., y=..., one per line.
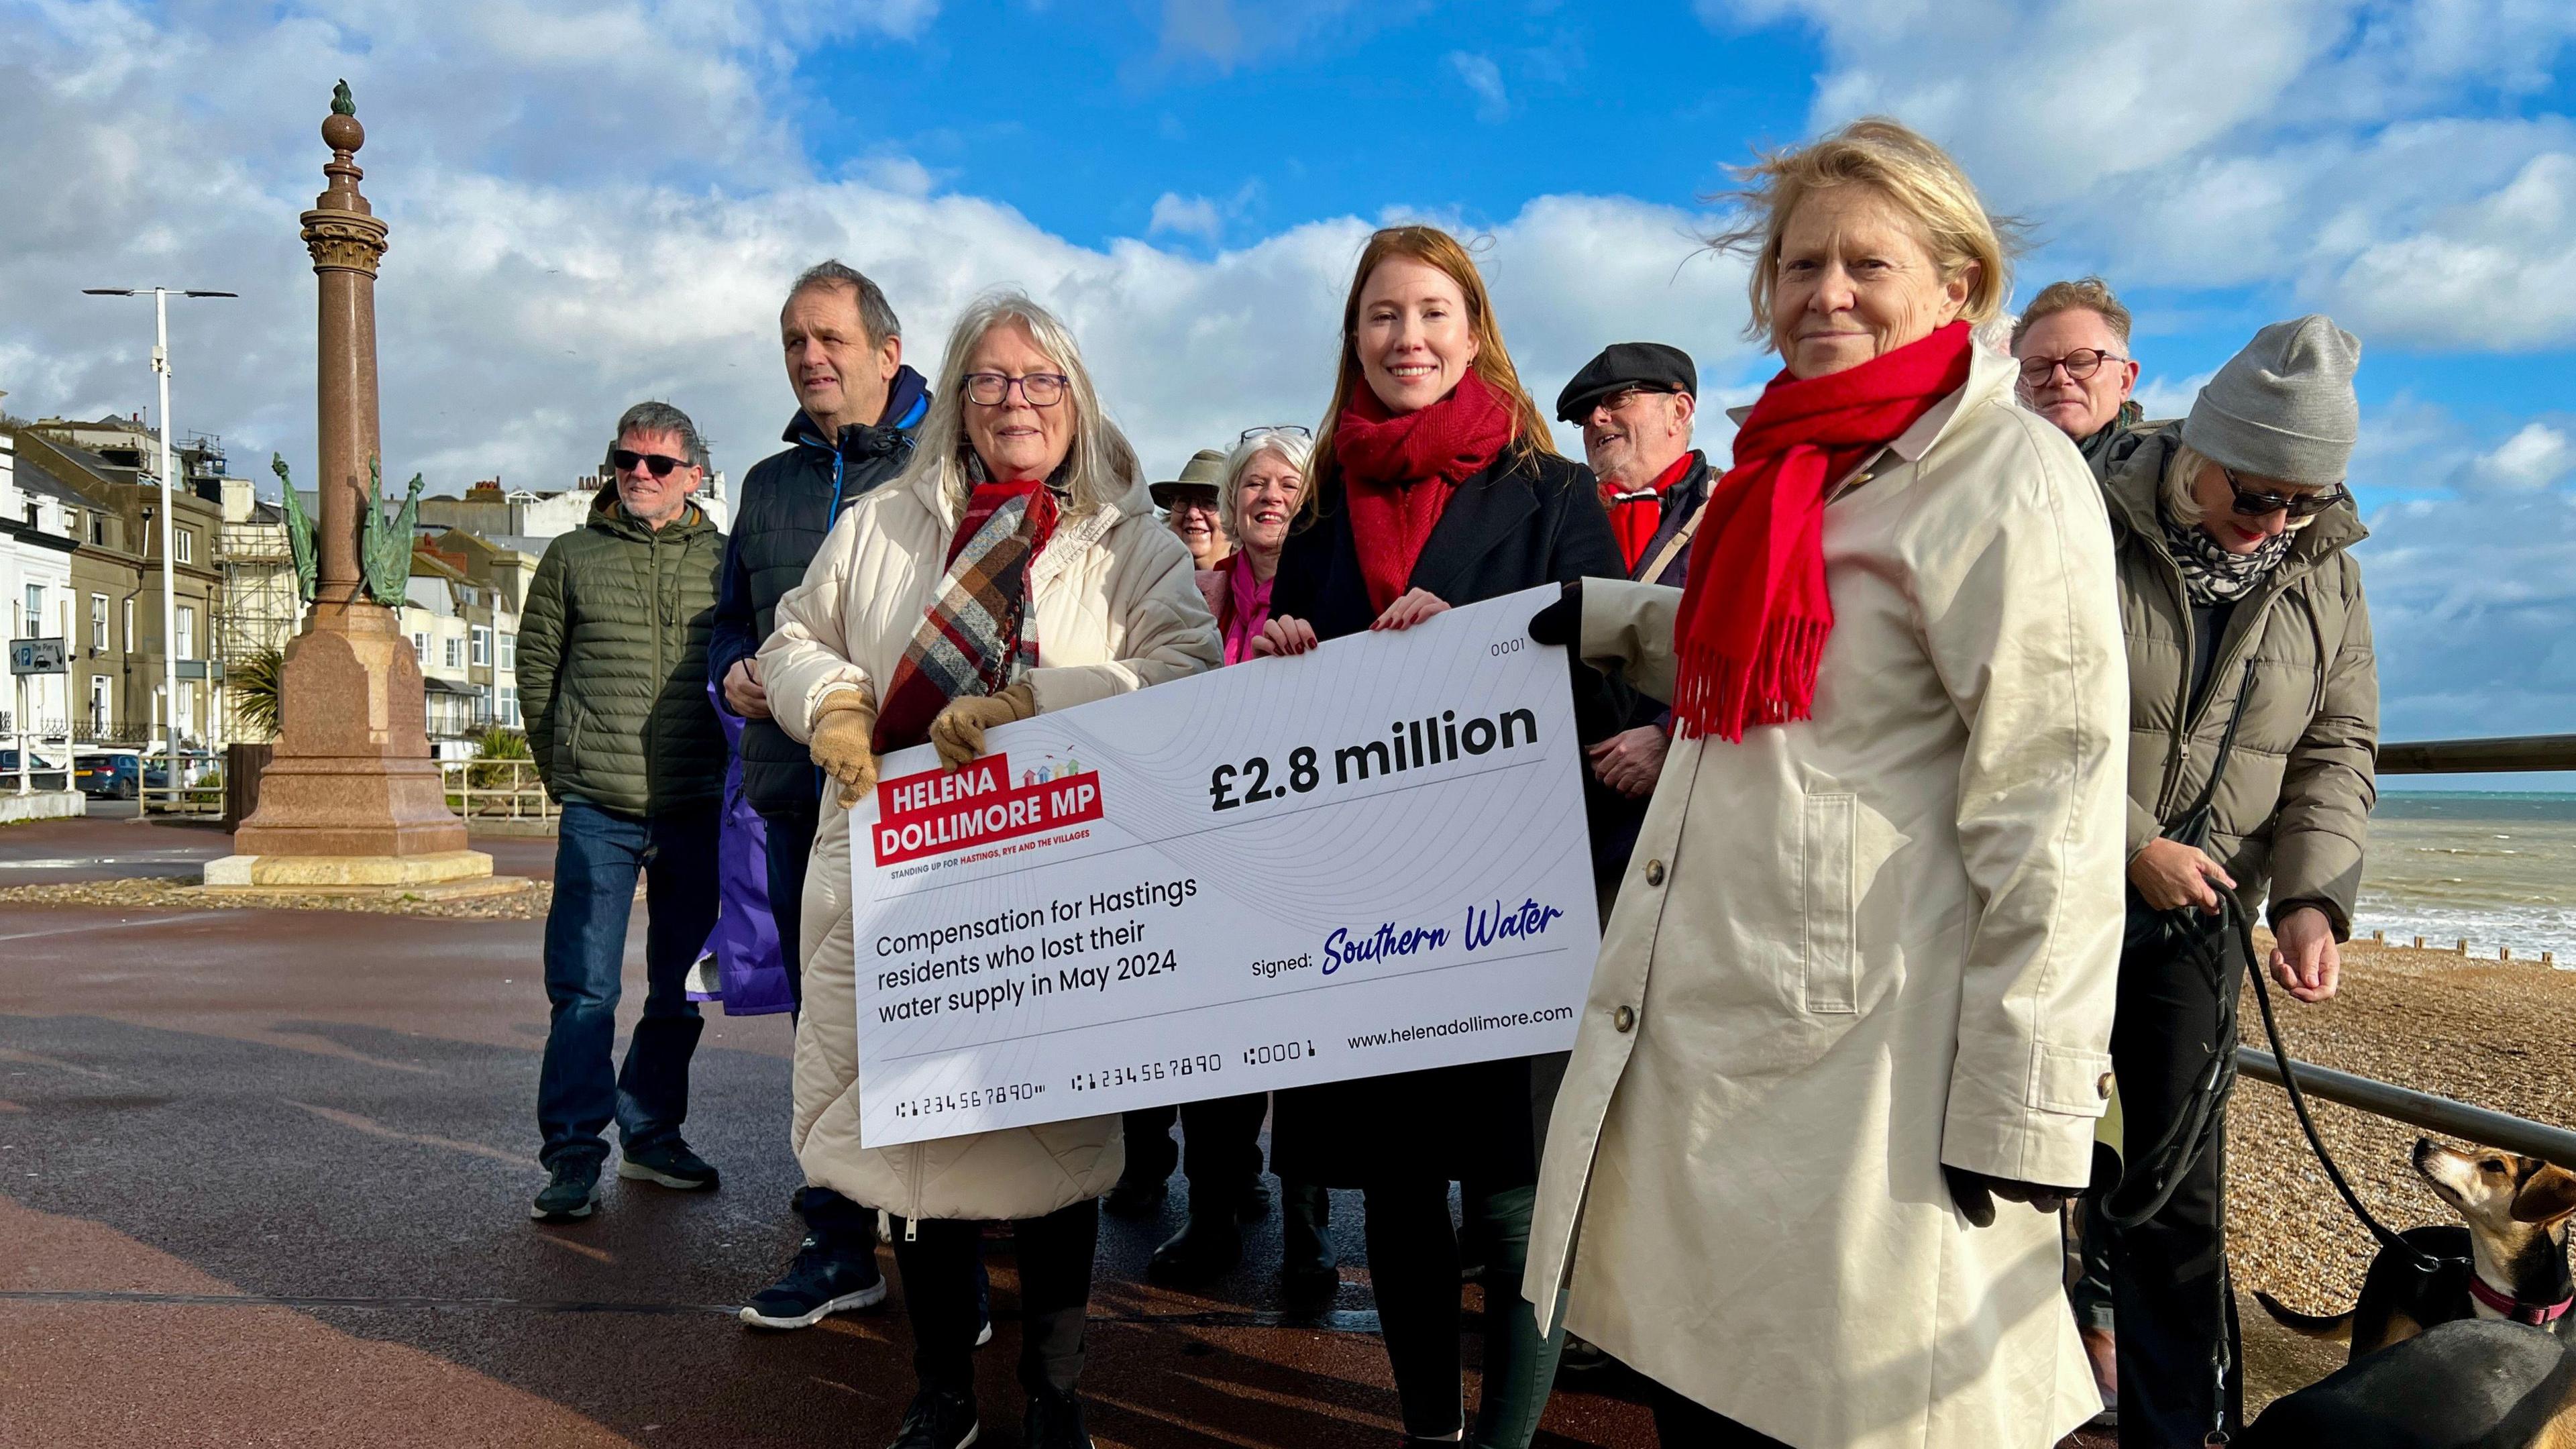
x=2344, y=148
x=1485, y=79
x=1187, y=216
x=2532, y=459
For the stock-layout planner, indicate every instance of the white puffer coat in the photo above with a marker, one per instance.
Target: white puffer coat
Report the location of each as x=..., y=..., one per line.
x=1117, y=608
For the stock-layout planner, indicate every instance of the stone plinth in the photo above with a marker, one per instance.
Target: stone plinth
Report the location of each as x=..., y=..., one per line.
x=368, y=872
x=352, y=774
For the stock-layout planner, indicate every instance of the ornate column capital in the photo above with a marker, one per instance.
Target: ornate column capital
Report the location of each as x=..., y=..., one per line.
x=344, y=241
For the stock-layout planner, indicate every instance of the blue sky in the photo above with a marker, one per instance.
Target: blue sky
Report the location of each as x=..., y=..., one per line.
x=602, y=199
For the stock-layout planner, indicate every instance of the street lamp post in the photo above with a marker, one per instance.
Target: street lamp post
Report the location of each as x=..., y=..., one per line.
x=169, y=571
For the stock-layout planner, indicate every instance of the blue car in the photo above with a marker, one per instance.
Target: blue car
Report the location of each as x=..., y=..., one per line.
x=111, y=774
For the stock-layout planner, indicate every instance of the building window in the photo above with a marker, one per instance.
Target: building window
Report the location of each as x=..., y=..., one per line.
x=98, y=530
x=482, y=647
x=510, y=652
x=420, y=650
x=99, y=719
x=98, y=623
x=187, y=639
x=35, y=619
x=455, y=652
x=510, y=705
x=185, y=548
x=129, y=626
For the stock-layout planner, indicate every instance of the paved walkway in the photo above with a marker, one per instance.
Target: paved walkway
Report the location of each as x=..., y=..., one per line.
x=264, y=1176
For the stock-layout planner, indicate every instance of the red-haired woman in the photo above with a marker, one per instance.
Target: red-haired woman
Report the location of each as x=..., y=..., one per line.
x=1434, y=485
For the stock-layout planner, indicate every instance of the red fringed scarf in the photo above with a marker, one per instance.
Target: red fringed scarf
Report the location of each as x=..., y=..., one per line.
x=1399, y=473
x=1754, y=614
x=1634, y=519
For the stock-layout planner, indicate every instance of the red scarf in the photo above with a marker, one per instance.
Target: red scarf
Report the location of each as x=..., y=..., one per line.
x=1247, y=606
x=1635, y=519
x=1755, y=614
x=1399, y=473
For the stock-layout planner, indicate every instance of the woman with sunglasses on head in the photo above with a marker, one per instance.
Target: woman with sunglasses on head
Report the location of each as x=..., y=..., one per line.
x=2253, y=723
x=1259, y=486
x=1014, y=568
x=1435, y=485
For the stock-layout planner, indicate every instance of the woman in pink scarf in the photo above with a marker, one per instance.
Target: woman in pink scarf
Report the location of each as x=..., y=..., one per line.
x=1264, y=481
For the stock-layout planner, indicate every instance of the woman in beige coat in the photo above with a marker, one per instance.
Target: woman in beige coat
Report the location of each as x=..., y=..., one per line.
x=1858, y=982
x=1016, y=567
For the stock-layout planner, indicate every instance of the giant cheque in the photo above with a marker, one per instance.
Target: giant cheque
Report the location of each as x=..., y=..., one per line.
x=1367, y=859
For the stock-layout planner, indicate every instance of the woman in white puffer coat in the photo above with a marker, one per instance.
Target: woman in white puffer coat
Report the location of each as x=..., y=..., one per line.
x=1016, y=567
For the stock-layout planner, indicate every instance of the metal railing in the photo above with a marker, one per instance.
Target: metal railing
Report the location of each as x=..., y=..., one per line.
x=2467, y=1121
x=496, y=790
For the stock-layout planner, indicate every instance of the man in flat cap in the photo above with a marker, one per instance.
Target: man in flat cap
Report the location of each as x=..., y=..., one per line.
x=1635, y=403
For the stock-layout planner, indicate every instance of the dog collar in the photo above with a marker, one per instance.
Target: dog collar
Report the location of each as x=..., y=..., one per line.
x=2538, y=1315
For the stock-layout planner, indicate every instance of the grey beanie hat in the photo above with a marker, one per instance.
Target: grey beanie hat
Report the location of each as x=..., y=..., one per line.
x=2283, y=408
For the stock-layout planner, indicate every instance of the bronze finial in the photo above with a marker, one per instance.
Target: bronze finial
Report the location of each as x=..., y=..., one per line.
x=343, y=103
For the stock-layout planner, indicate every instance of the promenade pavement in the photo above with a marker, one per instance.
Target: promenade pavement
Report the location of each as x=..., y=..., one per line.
x=264, y=1179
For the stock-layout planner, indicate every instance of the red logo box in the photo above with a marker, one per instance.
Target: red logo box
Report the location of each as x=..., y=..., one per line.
x=939, y=812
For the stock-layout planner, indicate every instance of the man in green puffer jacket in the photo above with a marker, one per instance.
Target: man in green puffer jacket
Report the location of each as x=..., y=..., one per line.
x=612, y=676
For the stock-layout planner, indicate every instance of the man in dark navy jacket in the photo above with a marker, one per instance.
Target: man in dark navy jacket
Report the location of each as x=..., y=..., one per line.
x=853, y=430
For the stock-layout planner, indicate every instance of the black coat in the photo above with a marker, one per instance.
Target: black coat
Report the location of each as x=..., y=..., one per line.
x=790, y=501
x=1527, y=520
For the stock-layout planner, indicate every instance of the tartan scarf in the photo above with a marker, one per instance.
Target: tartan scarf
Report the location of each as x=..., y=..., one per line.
x=977, y=633
x=1754, y=613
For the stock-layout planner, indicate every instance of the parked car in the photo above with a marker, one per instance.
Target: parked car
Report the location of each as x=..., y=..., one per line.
x=111, y=774
x=45, y=772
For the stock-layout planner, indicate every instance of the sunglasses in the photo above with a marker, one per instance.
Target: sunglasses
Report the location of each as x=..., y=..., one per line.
x=1295, y=430
x=2298, y=505
x=2080, y=364
x=628, y=461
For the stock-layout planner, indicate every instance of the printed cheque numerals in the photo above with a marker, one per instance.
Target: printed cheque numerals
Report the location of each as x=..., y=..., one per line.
x=937, y=1104
x=1254, y=775
x=1204, y=1064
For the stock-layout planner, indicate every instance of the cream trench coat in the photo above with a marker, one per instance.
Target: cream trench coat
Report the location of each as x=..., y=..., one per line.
x=1117, y=608
x=1852, y=949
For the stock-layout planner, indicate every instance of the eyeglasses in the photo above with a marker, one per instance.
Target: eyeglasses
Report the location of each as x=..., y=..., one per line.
x=1297, y=430
x=1199, y=498
x=2298, y=505
x=628, y=461
x=2080, y=364
x=1038, y=389
x=1616, y=400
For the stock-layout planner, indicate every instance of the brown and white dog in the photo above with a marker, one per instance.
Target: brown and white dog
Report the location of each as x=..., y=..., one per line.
x=2509, y=1262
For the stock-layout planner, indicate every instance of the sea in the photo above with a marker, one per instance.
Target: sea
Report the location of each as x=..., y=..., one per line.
x=2494, y=868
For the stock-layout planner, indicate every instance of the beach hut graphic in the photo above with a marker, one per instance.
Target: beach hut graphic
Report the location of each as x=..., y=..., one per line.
x=1050, y=768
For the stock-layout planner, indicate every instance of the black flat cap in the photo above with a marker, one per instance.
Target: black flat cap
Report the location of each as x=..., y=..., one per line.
x=1626, y=364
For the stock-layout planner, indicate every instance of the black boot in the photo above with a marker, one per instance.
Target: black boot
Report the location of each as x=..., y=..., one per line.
x=938, y=1419
x=1307, y=1278
x=1054, y=1421
x=1207, y=1245
x=1252, y=1203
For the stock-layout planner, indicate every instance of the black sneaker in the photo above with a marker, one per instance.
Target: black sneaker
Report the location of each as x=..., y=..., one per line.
x=571, y=1191
x=817, y=1285
x=937, y=1420
x=1054, y=1421
x=1580, y=1356
x=674, y=1166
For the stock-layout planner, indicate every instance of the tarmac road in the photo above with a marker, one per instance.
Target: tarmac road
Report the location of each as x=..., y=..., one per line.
x=264, y=1178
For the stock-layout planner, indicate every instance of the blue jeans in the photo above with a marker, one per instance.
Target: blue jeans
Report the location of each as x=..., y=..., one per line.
x=598, y=855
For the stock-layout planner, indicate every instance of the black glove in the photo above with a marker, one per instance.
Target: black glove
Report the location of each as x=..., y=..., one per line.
x=1975, y=1193
x=1562, y=621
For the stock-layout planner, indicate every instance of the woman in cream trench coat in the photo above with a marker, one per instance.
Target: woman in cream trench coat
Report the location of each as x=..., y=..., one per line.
x=1854, y=949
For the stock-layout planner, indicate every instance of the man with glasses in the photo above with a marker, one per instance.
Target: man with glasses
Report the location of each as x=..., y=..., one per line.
x=1189, y=507
x=2072, y=343
x=857, y=408
x=612, y=670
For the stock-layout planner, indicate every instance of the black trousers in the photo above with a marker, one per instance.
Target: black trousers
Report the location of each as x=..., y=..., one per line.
x=838, y=1225
x=1220, y=1142
x=940, y=1295
x=2169, y=1285
x=1682, y=1423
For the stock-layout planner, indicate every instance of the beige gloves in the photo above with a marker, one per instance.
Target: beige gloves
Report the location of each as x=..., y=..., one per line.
x=958, y=732
x=840, y=746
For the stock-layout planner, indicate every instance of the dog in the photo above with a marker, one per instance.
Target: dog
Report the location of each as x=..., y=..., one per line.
x=2509, y=1262
x=2476, y=1384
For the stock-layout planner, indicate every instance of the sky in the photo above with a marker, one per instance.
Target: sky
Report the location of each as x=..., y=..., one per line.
x=601, y=201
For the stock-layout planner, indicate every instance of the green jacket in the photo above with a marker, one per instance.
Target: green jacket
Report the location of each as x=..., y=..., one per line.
x=613, y=663
x=2293, y=812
